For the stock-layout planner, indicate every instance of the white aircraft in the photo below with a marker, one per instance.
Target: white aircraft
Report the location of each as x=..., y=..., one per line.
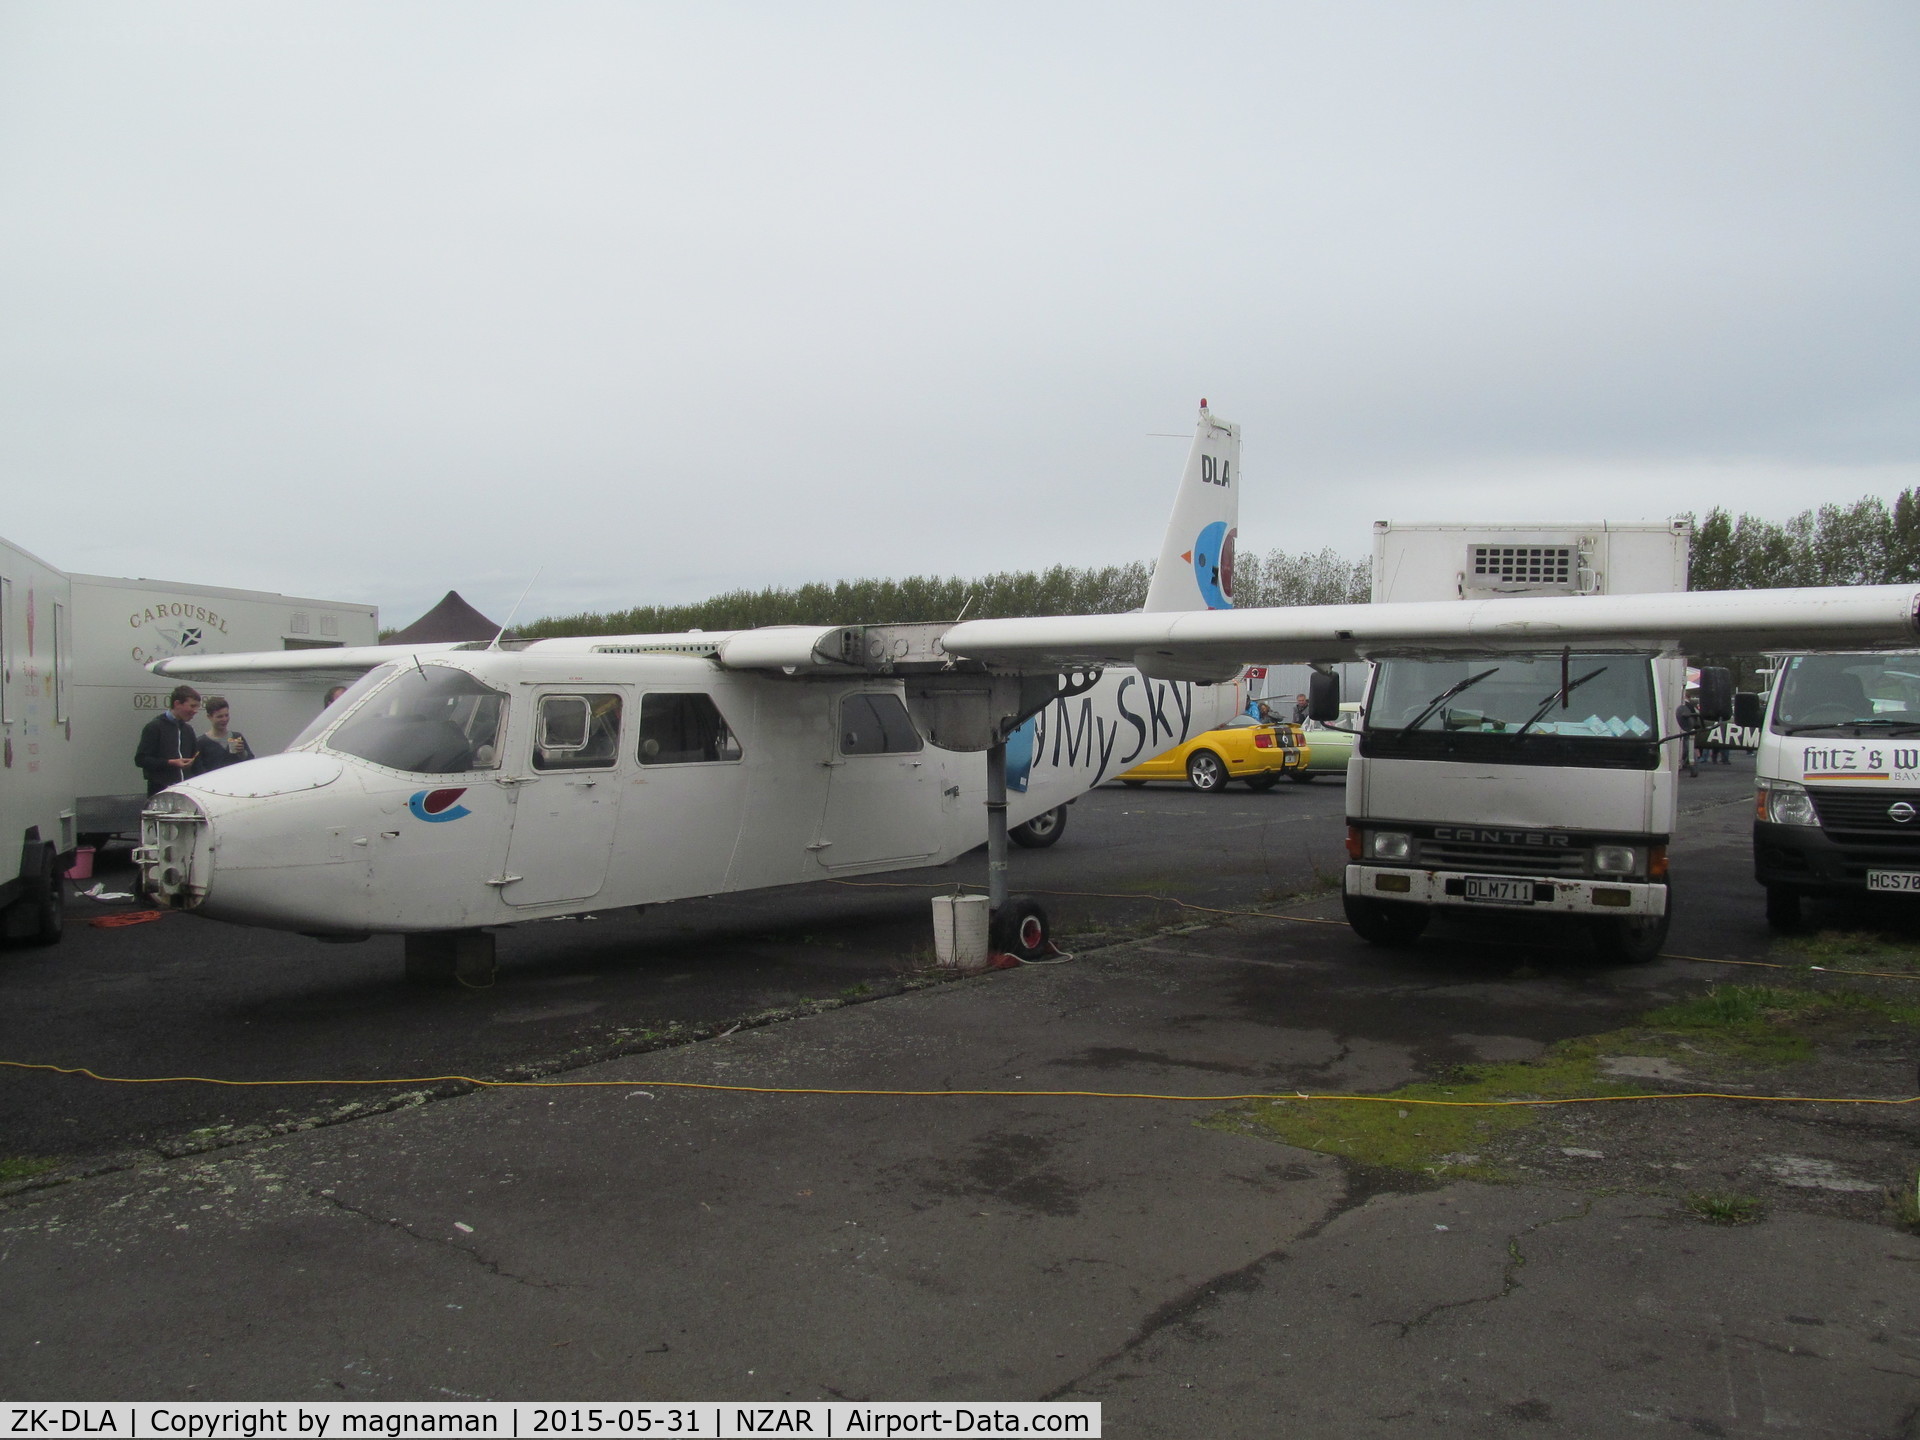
x=455, y=788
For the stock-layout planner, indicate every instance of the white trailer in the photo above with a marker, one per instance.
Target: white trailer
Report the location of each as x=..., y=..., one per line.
x=36, y=745
x=120, y=626
x=1536, y=782
x=75, y=693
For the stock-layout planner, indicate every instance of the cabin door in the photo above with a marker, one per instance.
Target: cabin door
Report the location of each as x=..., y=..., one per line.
x=883, y=800
x=564, y=814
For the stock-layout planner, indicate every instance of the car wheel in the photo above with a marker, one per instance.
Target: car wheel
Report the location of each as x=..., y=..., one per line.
x=1630, y=940
x=1300, y=777
x=1783, y=908
x=1385, y=922
x=1206, y=772
x=1263, y=782
x=1133, y=784
x=1042, y=830
x=1020, y=929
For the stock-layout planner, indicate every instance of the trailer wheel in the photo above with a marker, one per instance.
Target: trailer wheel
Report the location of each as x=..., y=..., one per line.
x=1042, y=830
x=1020, y=929
x=1783, y=908
x=1206, y=772
x=1264, y=781
x=1630, y=940
x=1385, y=922
x=50, y=912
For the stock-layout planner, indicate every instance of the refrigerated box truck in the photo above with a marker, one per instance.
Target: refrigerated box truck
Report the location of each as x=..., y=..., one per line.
x=1539, y=783
x=37, y=819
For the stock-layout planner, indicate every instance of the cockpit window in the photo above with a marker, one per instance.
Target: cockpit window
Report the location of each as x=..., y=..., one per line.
x=429, y=720
x=350, y=697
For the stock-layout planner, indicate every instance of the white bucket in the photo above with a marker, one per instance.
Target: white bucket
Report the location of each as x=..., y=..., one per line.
x=960, y=932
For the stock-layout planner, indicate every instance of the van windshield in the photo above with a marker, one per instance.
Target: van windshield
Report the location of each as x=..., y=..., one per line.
x=1841, y=694
x=427, y=719
x=1510, y=711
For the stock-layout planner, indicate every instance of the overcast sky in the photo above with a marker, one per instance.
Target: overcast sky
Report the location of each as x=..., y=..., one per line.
x=366, y=301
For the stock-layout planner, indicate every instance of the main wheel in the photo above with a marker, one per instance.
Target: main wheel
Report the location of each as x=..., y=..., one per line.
x=1020, y=929
x=1385, y=922
x=1264, y=781
x=1206, y=772
x=1630, y=939
x=1042, y=830
x=1783, y=908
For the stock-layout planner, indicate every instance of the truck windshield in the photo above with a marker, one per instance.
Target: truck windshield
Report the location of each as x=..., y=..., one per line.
x=1836, y=694
x=427, y=719
x=1509, y=711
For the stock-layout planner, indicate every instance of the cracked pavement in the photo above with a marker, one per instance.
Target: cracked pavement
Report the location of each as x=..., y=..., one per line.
x=638, y=1242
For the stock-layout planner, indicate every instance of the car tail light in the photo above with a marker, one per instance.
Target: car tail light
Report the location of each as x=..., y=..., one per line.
x=1263, y=741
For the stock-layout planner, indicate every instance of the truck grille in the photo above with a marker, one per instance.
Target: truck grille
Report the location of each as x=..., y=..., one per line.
x=1869, y=838
x=1505, y=859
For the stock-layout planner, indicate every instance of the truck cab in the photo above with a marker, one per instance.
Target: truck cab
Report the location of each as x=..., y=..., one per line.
x=1837, y=781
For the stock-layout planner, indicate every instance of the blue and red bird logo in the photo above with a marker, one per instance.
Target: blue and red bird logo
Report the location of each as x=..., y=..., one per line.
x=437, y=807
x=1212, y=556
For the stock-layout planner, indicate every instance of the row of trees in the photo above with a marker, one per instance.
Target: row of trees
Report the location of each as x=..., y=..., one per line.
x=1275, y=578
x=1866, y=543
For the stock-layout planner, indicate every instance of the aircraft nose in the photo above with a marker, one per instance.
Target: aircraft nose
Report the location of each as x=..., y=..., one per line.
x=174, y=855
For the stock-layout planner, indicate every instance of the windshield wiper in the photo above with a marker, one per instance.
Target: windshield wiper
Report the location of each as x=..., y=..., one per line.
x=1446, y=695
x=1559, y=696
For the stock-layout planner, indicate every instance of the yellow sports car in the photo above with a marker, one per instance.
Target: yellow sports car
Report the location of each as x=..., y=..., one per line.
x=1242, y=749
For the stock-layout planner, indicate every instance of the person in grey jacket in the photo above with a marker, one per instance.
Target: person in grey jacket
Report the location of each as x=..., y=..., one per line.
x=168, y=747
x=221, y=746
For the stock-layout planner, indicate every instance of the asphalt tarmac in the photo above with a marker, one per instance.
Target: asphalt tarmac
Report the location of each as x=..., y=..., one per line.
x=637, y=1242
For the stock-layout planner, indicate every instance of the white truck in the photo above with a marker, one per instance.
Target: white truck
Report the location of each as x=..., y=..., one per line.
x=1837, y=780
x=75, y=693
x=1536, y=783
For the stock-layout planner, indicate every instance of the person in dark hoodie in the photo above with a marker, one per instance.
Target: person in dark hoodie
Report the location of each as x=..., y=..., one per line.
x=221, y=746
x=168, y=746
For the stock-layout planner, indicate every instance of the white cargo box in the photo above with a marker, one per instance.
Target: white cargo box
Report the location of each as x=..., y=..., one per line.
x=1484, y=562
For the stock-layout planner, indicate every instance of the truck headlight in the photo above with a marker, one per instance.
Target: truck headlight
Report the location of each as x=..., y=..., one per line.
x=1784, y=802
x=1614, y=860
x=1391, y=845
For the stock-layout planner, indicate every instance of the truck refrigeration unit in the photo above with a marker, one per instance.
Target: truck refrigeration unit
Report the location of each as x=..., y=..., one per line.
x=1519, y=783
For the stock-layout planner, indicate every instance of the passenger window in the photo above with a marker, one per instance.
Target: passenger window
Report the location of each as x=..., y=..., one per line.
x=684, y=730
x=577, y=732
x=876, y=725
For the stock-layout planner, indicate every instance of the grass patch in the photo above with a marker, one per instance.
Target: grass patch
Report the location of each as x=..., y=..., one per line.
x=1435, y=1139
x=1853, y=950
x=1726, y=1209
x=1743, y=1024
x=25, y=1167
x=1904, y=1201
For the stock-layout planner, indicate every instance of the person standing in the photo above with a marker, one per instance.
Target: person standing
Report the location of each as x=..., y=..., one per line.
x=168, y=747
x=221, y=746
x=1687, y=714
x=1299, y=709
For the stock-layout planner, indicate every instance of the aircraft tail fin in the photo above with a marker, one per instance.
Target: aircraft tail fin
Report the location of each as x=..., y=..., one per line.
x=1195, y=568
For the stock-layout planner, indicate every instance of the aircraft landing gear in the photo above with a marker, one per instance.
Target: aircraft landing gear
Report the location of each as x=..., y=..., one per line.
x=447, y=957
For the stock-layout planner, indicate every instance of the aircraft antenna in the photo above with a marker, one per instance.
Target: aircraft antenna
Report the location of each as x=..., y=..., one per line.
x=516, y=609
x=965, y=604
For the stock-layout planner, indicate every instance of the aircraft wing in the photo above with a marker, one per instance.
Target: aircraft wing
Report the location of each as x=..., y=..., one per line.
x=342, y=661
x=1213, y=644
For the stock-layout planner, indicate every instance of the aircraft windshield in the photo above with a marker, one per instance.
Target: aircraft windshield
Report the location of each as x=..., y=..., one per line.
x=429, y=720
x=1509, y=711
x=344, y=702
x=1838, y=694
